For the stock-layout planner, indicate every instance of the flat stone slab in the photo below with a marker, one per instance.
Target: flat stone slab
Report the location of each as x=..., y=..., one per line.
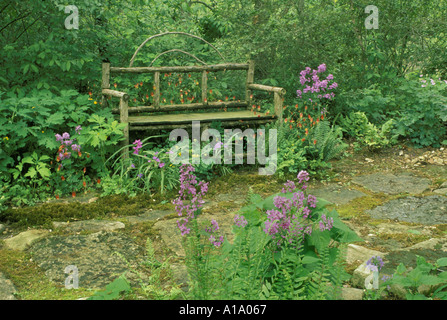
x=152, y=215
x=97, y=257
x=90, y=225
x=428, y=210
x=24, y=239
x=7, y=288
x=337, y=194
x=393, y=184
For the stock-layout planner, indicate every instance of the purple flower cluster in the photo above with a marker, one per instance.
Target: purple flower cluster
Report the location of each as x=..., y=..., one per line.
x=289, y=220
x=66, y=142
x=212, y=230
x=138, y=146
x=157, y=159
x=240, y=221
x=322, y=87
x=326, y=223
x=375, y=263
x=190, y=199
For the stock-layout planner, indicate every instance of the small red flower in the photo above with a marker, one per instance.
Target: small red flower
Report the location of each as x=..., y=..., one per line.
x=98, y=181
x=73, y=194
x=315, y=141
x=57, y=197
x=85, y=169
x=62, y=178
x=84, y=184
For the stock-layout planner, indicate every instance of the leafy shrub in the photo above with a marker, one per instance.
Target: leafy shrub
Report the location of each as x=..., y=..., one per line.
x=312, y=152
x=423, y=111
x=357, y=126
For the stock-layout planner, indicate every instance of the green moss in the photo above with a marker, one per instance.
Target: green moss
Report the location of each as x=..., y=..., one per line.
x=31, y=282
x=107, y=207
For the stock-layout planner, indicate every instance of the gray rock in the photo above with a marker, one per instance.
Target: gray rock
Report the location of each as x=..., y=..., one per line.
x=351, y=293
x=90, y=225
x=442, y=191
x=100, y=257
x=428, y=210
x=148, y=216
x=24, y=239
x=393, y=184
x=359, y=254
x=7, y=288
x=337, y=194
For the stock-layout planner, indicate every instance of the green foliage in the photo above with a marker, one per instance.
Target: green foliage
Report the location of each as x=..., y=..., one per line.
x=312, y=153
x=423, y=111
x=425, y=273
x=113, y=290
x=357, y=126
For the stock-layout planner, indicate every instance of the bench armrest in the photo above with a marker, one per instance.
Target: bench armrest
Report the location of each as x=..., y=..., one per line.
x=114, y=93
x=262, y=87
x=278, y=97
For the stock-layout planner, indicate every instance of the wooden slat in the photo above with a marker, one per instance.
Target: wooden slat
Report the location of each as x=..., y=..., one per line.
x=203, y=117
x=229, y=123
x=185, y=107
x=215, y=67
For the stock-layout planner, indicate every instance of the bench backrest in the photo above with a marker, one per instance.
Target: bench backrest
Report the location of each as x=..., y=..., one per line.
x=107, y=70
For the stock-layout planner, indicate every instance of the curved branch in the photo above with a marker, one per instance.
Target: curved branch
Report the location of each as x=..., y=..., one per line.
x=168, y=33
x=177, y=50
x=203, y=3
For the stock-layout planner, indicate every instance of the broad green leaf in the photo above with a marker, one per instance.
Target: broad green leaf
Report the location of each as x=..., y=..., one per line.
x=442, y=262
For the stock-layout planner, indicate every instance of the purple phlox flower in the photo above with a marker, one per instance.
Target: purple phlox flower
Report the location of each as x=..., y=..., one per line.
x=161, y=165
x=321, y=68
x=76, y=147
x=326, y=223
x=132, y=166
x=312, y=201
x=156, y=159
x=216, y=243
x=140, y=175
x=303, y=176
x=282, y=203
x=289, y=186
x=78, y=129
x=58, y=137
x=190, y=198
x=330, y=77
x=66, y=136
x=240, y=221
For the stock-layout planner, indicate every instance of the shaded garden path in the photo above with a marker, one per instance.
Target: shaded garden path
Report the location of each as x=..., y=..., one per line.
x=395, y=201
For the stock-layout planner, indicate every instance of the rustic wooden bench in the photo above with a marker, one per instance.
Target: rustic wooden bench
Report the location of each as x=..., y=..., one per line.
x=161, y=117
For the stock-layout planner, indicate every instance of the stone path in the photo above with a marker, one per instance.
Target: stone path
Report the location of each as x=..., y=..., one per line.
x=101, y=250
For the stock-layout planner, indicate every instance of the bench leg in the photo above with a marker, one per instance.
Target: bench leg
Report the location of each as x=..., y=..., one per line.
x=124, y=115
